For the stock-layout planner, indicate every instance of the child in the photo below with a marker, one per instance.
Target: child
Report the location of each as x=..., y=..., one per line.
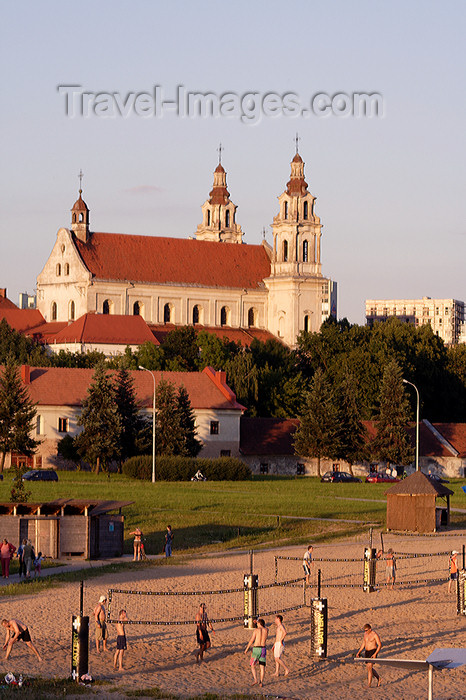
x=37, y=564
x=121, y=641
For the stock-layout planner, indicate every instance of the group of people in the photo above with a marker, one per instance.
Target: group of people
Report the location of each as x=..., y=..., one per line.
x=28, y=560
x=101, y=632
x=138, y=543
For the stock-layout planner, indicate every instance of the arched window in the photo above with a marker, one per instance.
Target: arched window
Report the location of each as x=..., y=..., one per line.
x=53, y=311
x=167, y=313
x=67, y=268
x=106, y=307
x=208, y=217
x=72, y=311
x=74, y=217
x=285, y=251
x=286, y=210
x=136, y=308
x=306, y=323
x=196, y=314
x=305, y=251
x=224, y=316
x=227, y=219
x=305, y=210
x=81, y=218
x=58, y=269
x=251, y=317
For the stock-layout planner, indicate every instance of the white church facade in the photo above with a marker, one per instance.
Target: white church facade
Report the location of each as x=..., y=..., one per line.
x=211, y=279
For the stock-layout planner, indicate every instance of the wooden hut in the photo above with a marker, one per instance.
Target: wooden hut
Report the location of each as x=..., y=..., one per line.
x=418, y=504
x=66, y=527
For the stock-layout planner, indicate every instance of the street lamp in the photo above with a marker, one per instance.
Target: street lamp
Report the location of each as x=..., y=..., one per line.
x=405, y=381
x=153, y=423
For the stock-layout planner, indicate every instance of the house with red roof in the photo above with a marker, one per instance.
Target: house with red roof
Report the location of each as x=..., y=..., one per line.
x=58, y=393
x=210, y=279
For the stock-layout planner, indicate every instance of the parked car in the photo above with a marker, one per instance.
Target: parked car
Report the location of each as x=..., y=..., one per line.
x=381, y=478
x=40, y=475
x=340, y=477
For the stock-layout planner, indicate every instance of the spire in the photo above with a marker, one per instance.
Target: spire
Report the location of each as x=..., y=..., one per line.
x=297, y=185
x=80, y=214
x=219, y=212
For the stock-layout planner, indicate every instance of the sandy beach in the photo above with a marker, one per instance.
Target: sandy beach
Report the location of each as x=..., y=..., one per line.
x=411, y=620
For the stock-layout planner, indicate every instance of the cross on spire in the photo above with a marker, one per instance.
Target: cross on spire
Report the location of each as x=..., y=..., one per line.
x=81, y=175
x=297, y=140
x=219, y=150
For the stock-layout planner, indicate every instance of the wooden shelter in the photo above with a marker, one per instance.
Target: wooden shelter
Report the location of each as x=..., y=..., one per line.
x=413, y=504
x=66, y=527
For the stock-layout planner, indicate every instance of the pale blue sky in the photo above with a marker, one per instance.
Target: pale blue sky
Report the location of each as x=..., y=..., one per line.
x=390, y=191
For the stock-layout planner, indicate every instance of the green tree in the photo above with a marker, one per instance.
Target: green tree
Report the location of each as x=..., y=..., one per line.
x=243, y=377
x=128, y=411
x=318, y=434
x=391, y=443
x=214, y=351
x=170, y=439
x=66, y=448
x=181, y=350
x=352, y=443
x=19, y=492
x=17, y=415
x=192, y=446
x=99, y=441
x=151, y=356
x=19, y=348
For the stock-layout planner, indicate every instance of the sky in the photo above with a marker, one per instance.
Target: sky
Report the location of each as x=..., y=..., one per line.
x=389, y=188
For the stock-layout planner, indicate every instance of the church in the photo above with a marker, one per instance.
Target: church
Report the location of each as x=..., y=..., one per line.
x=212, y=279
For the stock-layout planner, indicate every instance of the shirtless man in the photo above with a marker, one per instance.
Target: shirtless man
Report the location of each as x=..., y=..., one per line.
x=279, y=646
x=453, y=568
x=121, y=640
x=17, y=630
x=202, y=635
x=371, y=645
x=258, y=650
x=101, y=632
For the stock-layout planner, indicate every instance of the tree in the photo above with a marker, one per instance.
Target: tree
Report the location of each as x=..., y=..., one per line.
x=130, y=421
x=19, y=493
x=319, y=432
x=16, y=346
x=188, y=424
x=243, y=377
x=99, y=442
x=169, y=433
x=181, y=350
x=391, y=443
x=351, y=435
x=17, y=415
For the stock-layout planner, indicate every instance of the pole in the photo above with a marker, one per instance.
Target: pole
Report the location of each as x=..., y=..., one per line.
x=81, y=598
x=251, y=555
x=370, y=535
x=405, y=381
x=464, y=567
x=153, y=422
x=319, y=573
x=430, y=695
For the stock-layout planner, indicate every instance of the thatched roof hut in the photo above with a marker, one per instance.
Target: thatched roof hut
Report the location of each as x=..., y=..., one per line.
x=418, y=504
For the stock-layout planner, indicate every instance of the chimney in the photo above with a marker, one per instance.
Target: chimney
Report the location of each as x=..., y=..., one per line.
x=25, y=374
x=3, y=292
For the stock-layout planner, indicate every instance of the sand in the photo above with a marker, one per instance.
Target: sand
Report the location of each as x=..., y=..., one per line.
x=412, y=621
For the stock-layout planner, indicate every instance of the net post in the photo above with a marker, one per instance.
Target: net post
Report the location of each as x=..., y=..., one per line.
x=79, y=641
x=370, y=563
x=319, y=627
x=250, y=586
x=461, y=593
x=319, y=576
x=276, y=569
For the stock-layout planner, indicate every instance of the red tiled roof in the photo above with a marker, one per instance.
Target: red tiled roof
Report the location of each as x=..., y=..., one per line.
x=244, y=336
x=106, y=328
x=267, y=436
x=44, y=331
x=22, y=319
x=80, y=205
x=158, y=260
x=64, y=386
x=6, y=303
x=455, y=433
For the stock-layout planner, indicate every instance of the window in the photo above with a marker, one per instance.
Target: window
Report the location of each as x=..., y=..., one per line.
x=285, y=251
x=251, y=317
x=106, y=307
x=63, y=425
x=300, y=469
x=39, y=424
x=305, y=251
x=224, y=316
x=136, y=308
x=306, y=324
x=264, y=468
x=208, y=217
x=196, y=314
x=286, y=210
x=72, y=311
x=167, y=313
x=58, y=269
x=225, y=453
x=305, y=210
x=214, y=427
x=53, y=311
x=67, y=268
x=81, y=218
x=227, y=218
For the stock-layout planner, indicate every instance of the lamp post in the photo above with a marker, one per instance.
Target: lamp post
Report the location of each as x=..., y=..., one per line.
x=153, y=423
x=405, y=381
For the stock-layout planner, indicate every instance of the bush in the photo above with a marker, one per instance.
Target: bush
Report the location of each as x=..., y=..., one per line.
x=171, y=468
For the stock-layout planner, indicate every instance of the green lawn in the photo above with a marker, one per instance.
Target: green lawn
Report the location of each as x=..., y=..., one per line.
x=216, y=515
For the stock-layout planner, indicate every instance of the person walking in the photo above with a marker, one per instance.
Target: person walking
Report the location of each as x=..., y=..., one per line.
x=202, y=634
x=258, y=650
x=19, y=554
x=371, y=645
x=453, y=568
x=279, y=646
x=391, y=567
x=101, y=632
x=307, y=562
x=6, y=552
x=168, y=541
x=28, y=557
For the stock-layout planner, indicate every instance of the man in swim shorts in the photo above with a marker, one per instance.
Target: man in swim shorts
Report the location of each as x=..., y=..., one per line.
x=307, y=562
x=279, y=646
x=202, y=634
x=391, y=567
x=371, y=645
x=453, y=568
x=17, y=631
x=258, y=651
x=101, y=632
x=121, y=640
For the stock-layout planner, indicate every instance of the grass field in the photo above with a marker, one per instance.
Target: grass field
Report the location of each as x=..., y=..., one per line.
x=219, y=515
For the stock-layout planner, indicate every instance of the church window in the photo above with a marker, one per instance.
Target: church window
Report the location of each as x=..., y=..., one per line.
x=227, y=219
x=286, y=210
x=208, y=217
x=167, y=313
x=285, y=251
x=196, y=314
x=305, y=251
x=252, y=317
x=67, y=268
x=106, y=307
x=224, y=316
x=306, y=323
x=58, y=269
x=136, y=308
x=72, y=311
x=81, y=218
x=74, y=218
x=53, y=311
x=305, y=210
